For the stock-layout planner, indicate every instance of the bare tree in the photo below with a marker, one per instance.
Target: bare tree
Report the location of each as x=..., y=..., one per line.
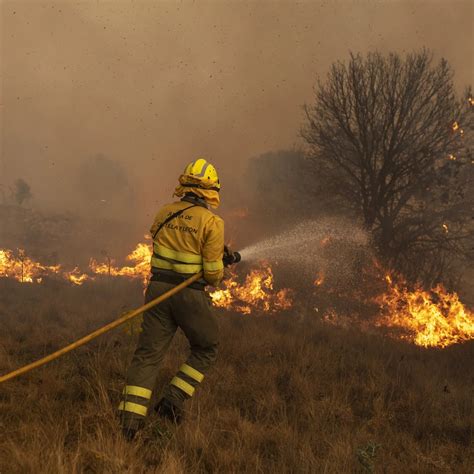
x=388, y=133
x=22, y=191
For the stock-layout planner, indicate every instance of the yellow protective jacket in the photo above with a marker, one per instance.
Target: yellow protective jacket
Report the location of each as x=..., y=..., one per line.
x=189, y=243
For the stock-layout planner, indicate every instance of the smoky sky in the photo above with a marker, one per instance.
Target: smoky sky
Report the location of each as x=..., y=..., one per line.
x=151, y=85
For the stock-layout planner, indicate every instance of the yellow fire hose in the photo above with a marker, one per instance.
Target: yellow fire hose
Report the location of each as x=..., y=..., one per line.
x=100, y=331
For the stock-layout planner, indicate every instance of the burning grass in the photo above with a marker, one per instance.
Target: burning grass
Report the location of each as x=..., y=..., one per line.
x=288, y=394
x=22, y=268
x=139, y=266
x=18, y=266
x=434, y=318
x=255, y=293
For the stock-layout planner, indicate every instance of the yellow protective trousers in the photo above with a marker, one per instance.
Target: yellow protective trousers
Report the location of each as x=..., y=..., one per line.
x=190, y=310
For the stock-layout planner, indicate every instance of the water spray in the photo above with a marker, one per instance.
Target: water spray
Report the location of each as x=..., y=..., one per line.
x=304, y=241
x=333, y=247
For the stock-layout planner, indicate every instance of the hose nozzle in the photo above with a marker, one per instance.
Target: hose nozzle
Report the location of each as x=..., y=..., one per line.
x=230, y=258
x=237, y=257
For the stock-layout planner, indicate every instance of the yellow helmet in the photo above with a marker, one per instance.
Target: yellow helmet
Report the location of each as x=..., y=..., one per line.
x=200, y=173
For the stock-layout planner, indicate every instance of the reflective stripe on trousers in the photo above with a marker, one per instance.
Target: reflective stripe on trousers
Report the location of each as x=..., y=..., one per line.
x=189, y=310
x=187, y=374
x=135, y=400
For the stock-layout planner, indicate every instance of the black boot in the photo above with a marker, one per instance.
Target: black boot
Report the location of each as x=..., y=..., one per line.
x=168, y=410
x=130, y=427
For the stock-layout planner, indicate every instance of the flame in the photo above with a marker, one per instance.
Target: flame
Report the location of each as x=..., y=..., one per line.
x=23, y=268
x=140, y=258
x=456, y=128
x=428, y=318
x=26, y=270
x=470, y=101
x=452, y=157
x=433, y=318
x=324, y=242
x=446, y=228
x=319, y=280
x=255, y=294
x=76, y=276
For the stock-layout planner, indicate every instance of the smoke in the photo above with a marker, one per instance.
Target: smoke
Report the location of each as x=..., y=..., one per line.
x=104, y=188
x=152, y=85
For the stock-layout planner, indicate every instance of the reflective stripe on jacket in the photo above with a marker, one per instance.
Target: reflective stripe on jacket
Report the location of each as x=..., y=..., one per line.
x=189, y=243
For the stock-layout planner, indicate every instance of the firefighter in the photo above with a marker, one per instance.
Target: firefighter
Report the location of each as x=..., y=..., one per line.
x=187, y=238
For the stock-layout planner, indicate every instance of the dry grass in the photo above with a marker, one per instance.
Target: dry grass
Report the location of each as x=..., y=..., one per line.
x=288, y=394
